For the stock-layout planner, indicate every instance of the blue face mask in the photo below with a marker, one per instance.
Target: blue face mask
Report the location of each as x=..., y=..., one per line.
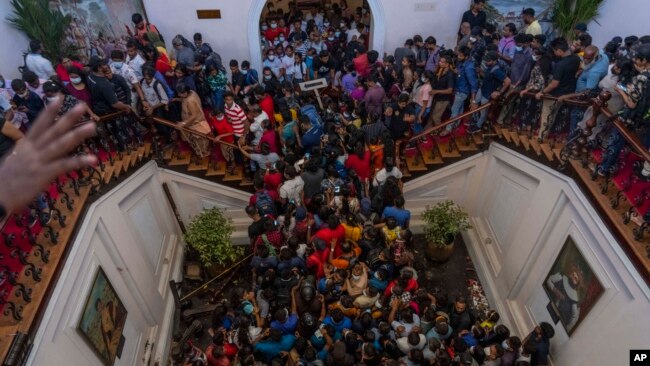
x=118, y=64
x=518, y=48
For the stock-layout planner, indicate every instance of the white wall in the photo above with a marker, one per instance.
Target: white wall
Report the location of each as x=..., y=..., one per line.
x=620, y=18
x=229, y=35
x=522, y=213
x=12, y=44
x=132, y=234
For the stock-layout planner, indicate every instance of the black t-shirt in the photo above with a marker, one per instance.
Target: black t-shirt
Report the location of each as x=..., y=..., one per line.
x=323, y=68
x=256, y=228
x=238, y=79
x=398, y=126
x=446, y=81
x=477, y=20
x=102, y=93
x=565, y=71
x=312, y=182
x=6, y=143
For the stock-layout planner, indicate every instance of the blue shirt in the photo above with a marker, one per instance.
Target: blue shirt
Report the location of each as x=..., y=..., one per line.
x=401, y=215
x=467, y=80
x=593, y=73
x=311, y=138
x=288, y=327
x=492, y=81
x=345, y=324
x=272, y=349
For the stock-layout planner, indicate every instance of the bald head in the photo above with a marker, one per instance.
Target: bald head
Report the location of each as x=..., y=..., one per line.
x=591, y=51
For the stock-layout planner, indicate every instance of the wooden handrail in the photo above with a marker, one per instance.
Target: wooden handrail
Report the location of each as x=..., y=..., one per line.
x=176, y=126
x=450, y=121
x=110, y=116
x=573, y=102
x=628, y=135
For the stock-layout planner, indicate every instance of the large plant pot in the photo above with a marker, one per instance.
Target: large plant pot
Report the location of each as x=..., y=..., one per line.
x=440, y=253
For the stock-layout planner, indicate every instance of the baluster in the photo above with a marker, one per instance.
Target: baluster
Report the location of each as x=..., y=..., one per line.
x=55, y=213
x=16, y=311
x=24, y=292
x=9, y=240
x=31, y=269
x=59, y=185
x=40, y=250
x=67, y=200
x=576, y=148
x=100, y=180
x=74, y=183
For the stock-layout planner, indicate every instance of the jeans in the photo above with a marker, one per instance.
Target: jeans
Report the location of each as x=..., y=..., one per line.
x=459, y=104
x=483, y=114
x=419, y=126
x=218, y=99
x=576, y=117
x=613, y=150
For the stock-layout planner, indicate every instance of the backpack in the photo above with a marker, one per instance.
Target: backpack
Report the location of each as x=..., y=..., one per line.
x=24, y=68
x=161, y=79
x=157, y=82
x=187, y=43
x=264, y=203
x=149, y=31
x=251, y=77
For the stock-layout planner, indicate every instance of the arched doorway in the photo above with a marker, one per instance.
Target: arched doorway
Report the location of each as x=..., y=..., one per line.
x=377, y=35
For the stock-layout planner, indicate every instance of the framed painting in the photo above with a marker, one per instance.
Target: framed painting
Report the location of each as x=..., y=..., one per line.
x=98, y=25
x=572, y=287
x=103, y=319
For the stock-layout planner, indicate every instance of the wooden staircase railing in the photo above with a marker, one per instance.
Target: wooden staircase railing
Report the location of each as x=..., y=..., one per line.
x=623, y=198
x=31, y=256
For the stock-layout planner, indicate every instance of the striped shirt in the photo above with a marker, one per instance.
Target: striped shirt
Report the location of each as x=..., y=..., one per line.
x=236, y=117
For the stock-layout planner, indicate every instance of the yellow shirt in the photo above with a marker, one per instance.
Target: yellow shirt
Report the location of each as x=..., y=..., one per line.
x=534, y=28
x=352, y=232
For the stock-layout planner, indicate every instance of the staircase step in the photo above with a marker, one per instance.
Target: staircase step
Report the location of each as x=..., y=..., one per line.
x=534, y=143
x=182, y=158
x=546, y=149
x=525, y=141
x=405, y=171
x=415, y=164
x=118, y=165
x=199, y=164
x=109, y=170
x=147, y=149
x=133, y=158
x=141, y=154
x=168, y=154
x=557, y=152
x=498, y=130
x=430, y=157
x=478, y=138
x=246, y=183
x=515, y=138
x=466, y=143
x=238, y=175
x=445, y=153
x=506, y=134
x=216, y=168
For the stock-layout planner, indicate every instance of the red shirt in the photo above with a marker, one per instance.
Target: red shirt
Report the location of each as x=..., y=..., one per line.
x=274, y=238
x=63, y=73
x=411, y=287
x=271, y=33
x=314, y=262
x=361, y=166
x=269, y=137
x=273, y=181
x=362, y=65
x=267, y=106
x=222, y=127
x=328, y=235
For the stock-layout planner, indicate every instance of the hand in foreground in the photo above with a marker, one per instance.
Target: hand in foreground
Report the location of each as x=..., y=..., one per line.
x=41, y=155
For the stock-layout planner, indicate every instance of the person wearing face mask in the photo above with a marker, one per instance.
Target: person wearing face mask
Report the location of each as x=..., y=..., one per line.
x=511, y=348
x=529, y=108
x=522, y=62
x=273, y=62
x=119, y=67
x=273, y=31
x=288, y=62
x=53, y=93
x=34, y=83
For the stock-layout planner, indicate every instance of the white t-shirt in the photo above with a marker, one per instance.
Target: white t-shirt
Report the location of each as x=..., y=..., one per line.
x=291, y=189
x=40, y=65
x=382, y=175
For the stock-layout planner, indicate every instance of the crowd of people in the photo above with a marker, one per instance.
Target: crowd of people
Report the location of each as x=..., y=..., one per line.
x=333, y=275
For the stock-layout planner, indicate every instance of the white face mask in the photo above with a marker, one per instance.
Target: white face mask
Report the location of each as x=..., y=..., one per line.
x=53, y=99
x=472, y=39
x=265, y=27
x=273, y=25
x=535, y=57
x=486, y=350
x=356, y=278
x=505, y=345
x=423, y=79
x=244, y=72
x=271, y=57
x=282, y=39
x=75, y=80
x=326, y=24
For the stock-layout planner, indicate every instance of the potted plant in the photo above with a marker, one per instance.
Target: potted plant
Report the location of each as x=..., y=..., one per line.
x=209, y=235
x=442, y=224
x=568, y=13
